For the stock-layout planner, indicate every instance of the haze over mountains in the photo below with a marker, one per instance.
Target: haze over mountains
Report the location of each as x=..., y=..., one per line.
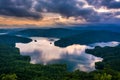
x=86, y=34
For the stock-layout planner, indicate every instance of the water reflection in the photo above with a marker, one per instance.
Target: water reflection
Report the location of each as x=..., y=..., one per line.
x=42, y=50
x=103, y=44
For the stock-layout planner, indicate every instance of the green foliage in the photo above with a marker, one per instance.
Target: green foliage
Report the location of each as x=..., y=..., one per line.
x=103, y=76
x=8, y=77
x=100, y=65
x=11, y=40
x=111, y=56
x=12, y=62
x=16, y=67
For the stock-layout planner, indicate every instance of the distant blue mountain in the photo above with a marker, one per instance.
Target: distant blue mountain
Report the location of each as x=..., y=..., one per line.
x=51, y=32
x=108, y=27
x=81, y=34
x=89, y=37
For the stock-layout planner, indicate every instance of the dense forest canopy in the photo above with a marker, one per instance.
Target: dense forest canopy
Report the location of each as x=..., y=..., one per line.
x=16, y=67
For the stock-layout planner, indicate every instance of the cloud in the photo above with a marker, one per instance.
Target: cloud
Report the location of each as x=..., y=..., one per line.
x=44, y=52
x=17, y=8
x=86, y=9
x=115, y=4
x=104, y=44
x=65, y=7
x=33, y=8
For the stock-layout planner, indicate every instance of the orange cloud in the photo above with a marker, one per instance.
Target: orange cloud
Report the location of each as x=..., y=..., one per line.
x=48, y=20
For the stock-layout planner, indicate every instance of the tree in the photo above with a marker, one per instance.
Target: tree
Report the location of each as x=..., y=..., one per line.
x=8, y=77
x=103, y=76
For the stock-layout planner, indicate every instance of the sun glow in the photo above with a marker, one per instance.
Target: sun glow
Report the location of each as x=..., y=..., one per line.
x=117, y=0
x=49, y=19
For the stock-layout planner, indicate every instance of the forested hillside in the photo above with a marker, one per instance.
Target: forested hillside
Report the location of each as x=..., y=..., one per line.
x=16, y=67
x=88, y=37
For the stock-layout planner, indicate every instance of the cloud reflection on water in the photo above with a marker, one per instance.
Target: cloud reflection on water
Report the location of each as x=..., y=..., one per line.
x=42, y=50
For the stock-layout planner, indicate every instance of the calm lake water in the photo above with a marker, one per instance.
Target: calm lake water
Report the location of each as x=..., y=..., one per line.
x=43, y=51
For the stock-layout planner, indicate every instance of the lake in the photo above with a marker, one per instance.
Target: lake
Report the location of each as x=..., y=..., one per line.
x=43, y=51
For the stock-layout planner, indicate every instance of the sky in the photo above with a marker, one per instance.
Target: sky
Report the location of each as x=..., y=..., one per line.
x=58, y=12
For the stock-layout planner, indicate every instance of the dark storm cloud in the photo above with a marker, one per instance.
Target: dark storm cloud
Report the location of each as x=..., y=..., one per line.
x=103, y=16
x=113, y=4
x=107, y=3
x=22, y=8
x=17, y=8
x=18, y=12
x=95, y=3
x=110, y=3
x=66, y=8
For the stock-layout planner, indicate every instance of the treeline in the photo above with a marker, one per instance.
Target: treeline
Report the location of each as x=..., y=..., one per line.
x=16, y=67
x=88, y=37
x=111, y=56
